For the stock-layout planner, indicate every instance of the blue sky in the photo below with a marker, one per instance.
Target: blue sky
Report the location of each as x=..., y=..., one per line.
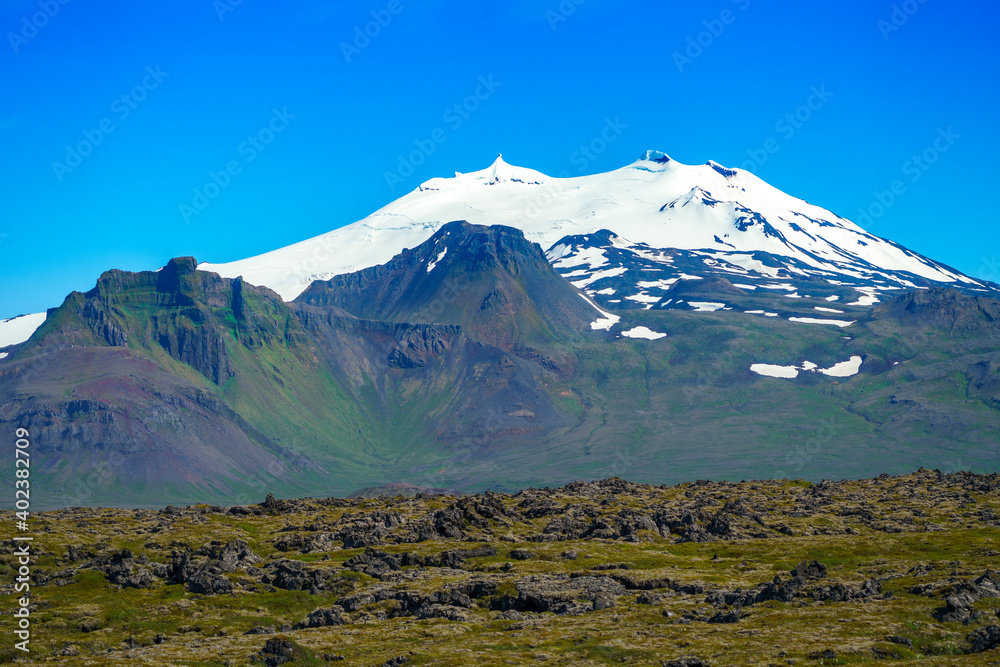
x=182, y=86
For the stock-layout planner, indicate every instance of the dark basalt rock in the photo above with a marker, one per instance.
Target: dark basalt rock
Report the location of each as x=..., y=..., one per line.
x=813, y=570
x=276, y=652
x=322, y=618
x=984, y=639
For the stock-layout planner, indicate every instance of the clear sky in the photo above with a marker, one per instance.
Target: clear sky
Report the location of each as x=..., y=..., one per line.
x=153, y=98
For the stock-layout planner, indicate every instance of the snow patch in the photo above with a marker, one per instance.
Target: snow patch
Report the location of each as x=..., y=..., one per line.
x=813, y=320
x=18, y=329
x=644, y=298
x=829, y=310
x=706, y=306
x=844, y=369
x=605, y=323
x=644, y=332
x=594, y=277
x=787, y=372
x=430, y=267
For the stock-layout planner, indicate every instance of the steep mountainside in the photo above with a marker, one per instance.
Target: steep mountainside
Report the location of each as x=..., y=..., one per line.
x=488, y=280
x=469, y=362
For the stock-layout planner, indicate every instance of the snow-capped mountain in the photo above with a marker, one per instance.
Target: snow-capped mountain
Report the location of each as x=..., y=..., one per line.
x=630, y=238
x=717, y=220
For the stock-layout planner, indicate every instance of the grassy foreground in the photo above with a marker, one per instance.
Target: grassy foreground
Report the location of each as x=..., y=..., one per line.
x=595, y=573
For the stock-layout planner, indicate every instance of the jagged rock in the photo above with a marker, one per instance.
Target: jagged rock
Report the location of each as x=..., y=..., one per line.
x=76, y=553
x=842, y=593
x=521, y=554
x=261, y=630
x=271, y=504
x=318, y=543
x=559, y=594
x=806, y=570
x=649, y=597
x=603, y=601
x=122, y=570
x=321, y=618
x=293, y=575
x=207, y=583
x=275, y=652
x=441, y=611
x=292, y=542
x=984, y=639
x=397, y=661
x=959, y=603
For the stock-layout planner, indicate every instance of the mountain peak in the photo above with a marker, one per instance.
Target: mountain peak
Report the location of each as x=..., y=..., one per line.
x=655, y=156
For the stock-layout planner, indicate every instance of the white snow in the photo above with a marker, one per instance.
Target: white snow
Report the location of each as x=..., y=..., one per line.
x=869, y=297
x=593, y=257
x=775, y=371
x=828, y=310
x=644, y=298
x=3, y=355
x=430, y=267
x=866, y=300
x=16, y=330
x=706, y=306
x=661, y=284
x=844, y=368
x=597, y=275
x=833, y=298
x=813, y=320
x=644, y=332
x=699, y=202
x=604, y=323
x=754, y=312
